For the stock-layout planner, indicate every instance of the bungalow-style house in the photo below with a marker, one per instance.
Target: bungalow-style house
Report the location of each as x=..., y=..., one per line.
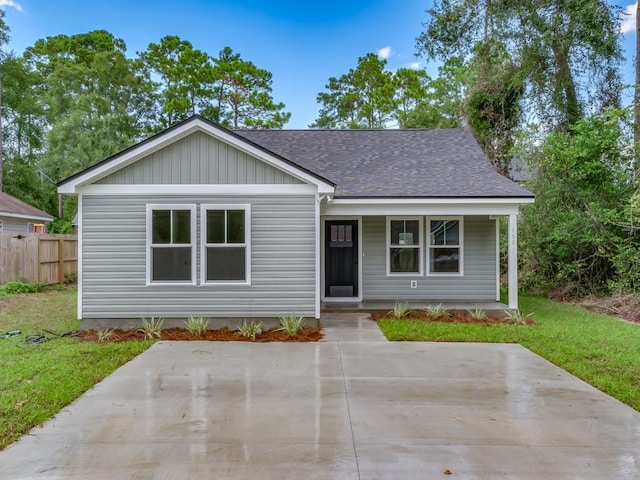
x=19, y=217
x=200, y=220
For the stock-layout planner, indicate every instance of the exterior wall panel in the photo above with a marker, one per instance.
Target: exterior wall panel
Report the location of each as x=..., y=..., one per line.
x=477, y=283
x=114, y=261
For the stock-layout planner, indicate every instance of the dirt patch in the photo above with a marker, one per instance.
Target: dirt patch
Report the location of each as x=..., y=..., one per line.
x=221, y=335
x=453, y=318
x=623, y=306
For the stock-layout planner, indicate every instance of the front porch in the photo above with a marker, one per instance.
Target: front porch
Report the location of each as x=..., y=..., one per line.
x=381, y=306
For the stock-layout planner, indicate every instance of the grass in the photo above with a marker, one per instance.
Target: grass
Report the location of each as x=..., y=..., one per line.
x=600, y=350
x=36, y=381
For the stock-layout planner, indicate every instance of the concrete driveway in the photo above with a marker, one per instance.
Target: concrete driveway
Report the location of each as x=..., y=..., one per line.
x=334, y=410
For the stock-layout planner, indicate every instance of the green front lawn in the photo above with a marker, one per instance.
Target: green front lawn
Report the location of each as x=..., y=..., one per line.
x=601, y=350
x=36, y=381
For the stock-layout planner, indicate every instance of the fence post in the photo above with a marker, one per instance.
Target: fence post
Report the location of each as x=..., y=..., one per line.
x=60, y=259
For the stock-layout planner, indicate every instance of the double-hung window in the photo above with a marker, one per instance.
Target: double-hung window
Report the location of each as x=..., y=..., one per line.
x=404, y=240
x=171, y=239
x=445, y=246
x=226, y=256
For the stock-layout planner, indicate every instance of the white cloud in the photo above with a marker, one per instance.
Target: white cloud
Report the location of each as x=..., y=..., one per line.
x=628, y=19
x=414, y=65
x=11, y=3
x=382, y=53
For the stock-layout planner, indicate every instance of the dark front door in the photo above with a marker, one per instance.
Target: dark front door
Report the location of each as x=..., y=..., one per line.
x=341, y=258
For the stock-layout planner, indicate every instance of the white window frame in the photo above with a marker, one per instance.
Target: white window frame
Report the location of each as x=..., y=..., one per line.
x=204, y=245
x=192, y=244
x=419, y=246
x=460, y=246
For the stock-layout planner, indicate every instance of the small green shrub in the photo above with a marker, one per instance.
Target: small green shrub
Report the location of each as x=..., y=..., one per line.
x=477, y=314
x=70, y=278
x=106, y=335
x=197, y=326
x=436, y=312
x=21, y=287
x=400, y=309
x=291, y=324
x=250, y=330
x=517, y=317
x=151, y=327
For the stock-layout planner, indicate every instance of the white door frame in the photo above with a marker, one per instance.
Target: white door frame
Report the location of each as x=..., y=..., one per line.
x=323, y=220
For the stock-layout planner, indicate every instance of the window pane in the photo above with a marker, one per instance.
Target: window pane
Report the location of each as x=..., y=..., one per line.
x=445, y=260
x=215, y=226
x=405, y=232
x=235, y=226
x=226, y=263
x=404, y=260
x=181, y=226
x=445, y=232
x=161, y=226
x=171, y=264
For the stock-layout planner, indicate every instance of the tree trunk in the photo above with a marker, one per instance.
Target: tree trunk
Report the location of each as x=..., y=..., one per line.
x=1, y=152
x=636, y=97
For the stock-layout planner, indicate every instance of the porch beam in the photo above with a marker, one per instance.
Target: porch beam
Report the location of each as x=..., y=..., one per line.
x=513, y=261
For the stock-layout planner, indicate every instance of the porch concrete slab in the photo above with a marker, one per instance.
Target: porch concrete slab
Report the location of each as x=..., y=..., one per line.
x=350, y=327
x=384, y=306
x=334, y=410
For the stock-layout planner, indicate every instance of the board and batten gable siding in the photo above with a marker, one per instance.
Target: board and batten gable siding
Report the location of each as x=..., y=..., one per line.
x=114, y=261
x=477, y=283
x=198, y=159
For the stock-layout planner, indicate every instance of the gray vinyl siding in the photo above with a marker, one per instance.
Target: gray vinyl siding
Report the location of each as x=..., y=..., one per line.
x=479, y=257
x=114, y=261
x=16, y=225
x=199, y=159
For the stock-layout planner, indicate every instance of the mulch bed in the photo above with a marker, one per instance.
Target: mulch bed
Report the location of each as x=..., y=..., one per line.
x=453, y=318
x=222, y=335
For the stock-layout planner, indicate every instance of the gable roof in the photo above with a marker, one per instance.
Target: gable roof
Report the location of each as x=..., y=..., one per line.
x=393, y=163
x=12, y=207
x=178, y=131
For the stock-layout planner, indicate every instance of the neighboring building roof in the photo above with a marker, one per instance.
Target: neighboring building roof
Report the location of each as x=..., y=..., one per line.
x=392, y=163
x=12, y=207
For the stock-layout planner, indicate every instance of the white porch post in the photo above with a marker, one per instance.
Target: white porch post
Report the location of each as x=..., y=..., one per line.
x=513, y=261
x=317, y=247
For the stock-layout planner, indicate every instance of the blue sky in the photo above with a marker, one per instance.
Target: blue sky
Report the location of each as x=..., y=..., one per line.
x=302, y=43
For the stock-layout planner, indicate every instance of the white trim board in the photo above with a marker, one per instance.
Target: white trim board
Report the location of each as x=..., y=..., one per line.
x=412, y=209
x=199, y=189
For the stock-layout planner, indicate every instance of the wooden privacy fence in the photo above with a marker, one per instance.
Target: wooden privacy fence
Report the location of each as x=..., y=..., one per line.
x=38, y=258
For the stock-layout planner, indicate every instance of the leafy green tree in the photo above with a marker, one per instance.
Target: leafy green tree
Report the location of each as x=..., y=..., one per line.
x=243, y=95
x=577, y=236
x=24, y=124
x=186, y=78
x=4, y=39
x=493, y=102
x=97, y=101
x=569, y=51
x=443, y=105
x=364, y=97
x=411, y=89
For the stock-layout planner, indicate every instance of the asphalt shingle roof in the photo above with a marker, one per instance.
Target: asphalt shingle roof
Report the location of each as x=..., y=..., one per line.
x=392, y=163
x=12, y=205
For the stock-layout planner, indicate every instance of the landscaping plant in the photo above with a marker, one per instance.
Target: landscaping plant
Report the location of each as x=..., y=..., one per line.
x=250, y=330
x=151, y=327
x=436, y=312
x=400, y=309
x=197, y=326
x=291, y=324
